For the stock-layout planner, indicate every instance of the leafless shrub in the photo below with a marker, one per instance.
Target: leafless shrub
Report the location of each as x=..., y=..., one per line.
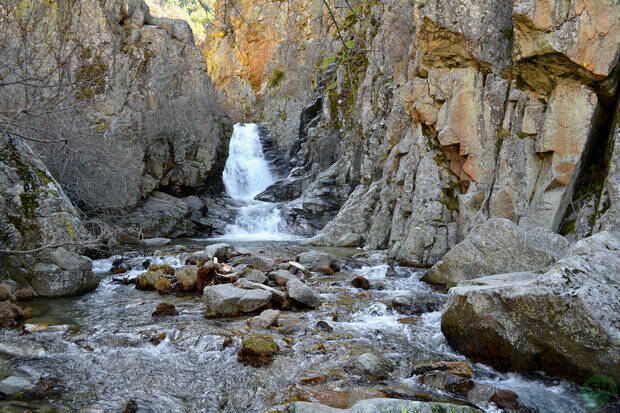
x=49, y=72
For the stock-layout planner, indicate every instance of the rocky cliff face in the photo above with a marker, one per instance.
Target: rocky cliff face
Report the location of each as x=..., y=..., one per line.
x=157, y=99
x=34, y=213
x=435, y=116
x=148, y=96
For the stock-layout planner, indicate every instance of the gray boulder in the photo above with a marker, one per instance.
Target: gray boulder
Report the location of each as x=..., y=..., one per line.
x=264, y=320
x=227, y=300
x=23, y=380
x=64, y=273
x=257, y=262
x=373, y=366
x=162, y=215
x=382, y=405
x=281, y=277
x=301, y=293
x=220, y=251
x=563, y=322
x=277, y=295
x=34, y=212
x=317, y=261
x=256, y=276
x=498, y=246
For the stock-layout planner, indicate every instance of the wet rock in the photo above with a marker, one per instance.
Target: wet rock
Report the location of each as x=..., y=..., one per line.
x=317, y=261
x=165, y=310
x=313, y=380
x=187, y=278
x=324, y=326
x=5, y=293
x=220, y=251
x=163, y=286
x=552, y=322
x=409, y=320
x=265, y=320
x=146, y=281
x=227, y=342
x=227, y=300
x=373, y=366
x=281, y=277
x=24, y=294
x=155, y=242
x=158, y=338
x=415, y=305
x=257, y=350
x=24, y=380
x=36, y=327
x=264, y=264
x=11, y=313
x=444, y=380
x=498, y=246
x=256, y=276
x=302, y=294
x=382, y=405
x=118, y=270
x=459, y=368
x=506, y=400
x=360, y=282
x=278, y=296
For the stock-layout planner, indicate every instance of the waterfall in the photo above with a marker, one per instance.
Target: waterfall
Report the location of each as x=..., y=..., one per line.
x=247, y=174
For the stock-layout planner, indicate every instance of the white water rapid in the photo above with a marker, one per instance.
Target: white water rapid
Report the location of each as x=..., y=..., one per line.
x=246, y=175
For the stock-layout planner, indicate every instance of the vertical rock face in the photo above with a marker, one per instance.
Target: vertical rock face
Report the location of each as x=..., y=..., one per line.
x=440, y=115
x=35, y=212
x=168, y=100
x=151, y=96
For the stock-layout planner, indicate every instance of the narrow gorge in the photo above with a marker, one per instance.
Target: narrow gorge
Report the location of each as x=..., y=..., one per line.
x=310, y=206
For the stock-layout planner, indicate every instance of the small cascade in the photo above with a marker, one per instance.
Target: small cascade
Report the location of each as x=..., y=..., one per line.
x=246, y=175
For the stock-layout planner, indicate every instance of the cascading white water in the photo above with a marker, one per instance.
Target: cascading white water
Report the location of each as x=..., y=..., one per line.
x=246, y=175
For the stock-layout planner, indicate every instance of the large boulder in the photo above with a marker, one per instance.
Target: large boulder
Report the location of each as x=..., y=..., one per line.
x=317, y=261
x=34, y=213
x=563, y=322
x=227, y=300
x=498, y=246
x=302, y=294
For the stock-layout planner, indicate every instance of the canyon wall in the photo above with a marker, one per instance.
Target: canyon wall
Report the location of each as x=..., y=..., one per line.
x=143, y=126
x=426, y=118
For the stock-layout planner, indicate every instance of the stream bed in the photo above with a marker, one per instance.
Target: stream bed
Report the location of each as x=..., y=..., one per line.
x=95, y=352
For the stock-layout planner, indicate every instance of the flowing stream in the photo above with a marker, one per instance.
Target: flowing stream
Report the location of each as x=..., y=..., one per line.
x=97, y=353
x=246, y=175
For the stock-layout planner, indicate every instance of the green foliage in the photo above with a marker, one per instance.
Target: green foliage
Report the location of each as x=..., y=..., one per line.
x=189, y=10
x=276, y=78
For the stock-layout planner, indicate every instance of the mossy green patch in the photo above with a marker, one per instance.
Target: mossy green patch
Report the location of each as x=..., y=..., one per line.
x=276, y=77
